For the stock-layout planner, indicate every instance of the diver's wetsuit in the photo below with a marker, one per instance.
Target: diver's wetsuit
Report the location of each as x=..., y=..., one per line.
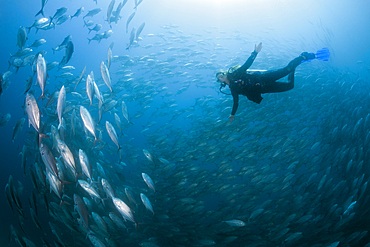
x=253, y=84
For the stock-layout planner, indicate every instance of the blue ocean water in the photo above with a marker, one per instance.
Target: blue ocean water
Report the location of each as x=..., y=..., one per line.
x=289, y=168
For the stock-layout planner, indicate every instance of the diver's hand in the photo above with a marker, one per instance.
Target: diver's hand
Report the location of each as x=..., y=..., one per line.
x=231, y=118
x=258, y=48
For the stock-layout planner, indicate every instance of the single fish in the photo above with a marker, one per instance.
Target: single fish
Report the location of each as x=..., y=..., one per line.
x=89, y=189
x=85, y=165
x=79, y=206
x=112, y=134
x=132, y=38
x=68, y=54
x=58, y=13
x=146, y=202
x=139, y=30
x=107, y=188
x=5, y=119
x=125, y=111
x=78, y=12
x=97, y=28
x=80, y=78
x=90, y=86
x=129, y=20
x=88, y=122
x=21, y=37
x=17, y=128
x=109, y=10
x=123, y=209
x=105, y=74
x=38, y=43
x=41, y=73
x=109, y=59
x=148, y=181
x=92, y=12
x=62, y=19
x=60, y=105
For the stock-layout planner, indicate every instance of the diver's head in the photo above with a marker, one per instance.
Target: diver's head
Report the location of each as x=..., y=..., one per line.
x=221, y=77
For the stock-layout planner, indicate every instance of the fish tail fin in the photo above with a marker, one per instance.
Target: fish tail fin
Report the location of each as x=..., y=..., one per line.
x=63, y=202
x=28, y=29
x=89, y=40
x=61, y=126
x=136, y=224
x=40, y=12
x=42, y=136
x=41, y=97
x=65, y=182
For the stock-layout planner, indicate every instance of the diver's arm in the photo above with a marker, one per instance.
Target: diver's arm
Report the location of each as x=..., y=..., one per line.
x=248, y=63
x=235, y=102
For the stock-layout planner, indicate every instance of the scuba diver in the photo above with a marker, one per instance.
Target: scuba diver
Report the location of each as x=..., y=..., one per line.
x=253, y=84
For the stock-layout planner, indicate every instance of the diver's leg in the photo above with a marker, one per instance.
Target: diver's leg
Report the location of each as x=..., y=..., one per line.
x=278, y=87
x=272, y=76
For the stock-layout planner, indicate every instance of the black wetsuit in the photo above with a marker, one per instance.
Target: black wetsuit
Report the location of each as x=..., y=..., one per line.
x=253, y=84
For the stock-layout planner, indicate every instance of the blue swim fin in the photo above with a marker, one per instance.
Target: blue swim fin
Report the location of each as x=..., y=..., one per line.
x=323, y=54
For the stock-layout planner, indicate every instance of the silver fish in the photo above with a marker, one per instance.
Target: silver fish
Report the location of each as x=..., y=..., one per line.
x=5, y=119
x=107, y=188
x=79, y=206
x=90, y=87
x=78, y=12
x=61, y=11
x=85, y=165
x=146, y=202
x=62, y=19
x=132, y=38
x=38, y=42
x=89, y=189
x=105, y=74
x=148, y=181
x=123, y=209
x=109, y=59
x=68, y=54
x=41, y=73
x=97, y=28
x=112, y=134
x=92, y=12
x=17, y=128
x=129, y=20
x=139, y=30
x=125, y=111
x=80, y=78
x=60, y=105
x=88, y=122
x=33, y=112
x=21, y=37
x=109, y=10
x=118, y=121
x=67, y=156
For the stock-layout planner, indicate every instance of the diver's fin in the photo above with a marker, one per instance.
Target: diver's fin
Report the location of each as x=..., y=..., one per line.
x=323, y=54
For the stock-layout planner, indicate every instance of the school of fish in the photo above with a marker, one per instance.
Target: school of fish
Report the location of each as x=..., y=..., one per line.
x=291, y=171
